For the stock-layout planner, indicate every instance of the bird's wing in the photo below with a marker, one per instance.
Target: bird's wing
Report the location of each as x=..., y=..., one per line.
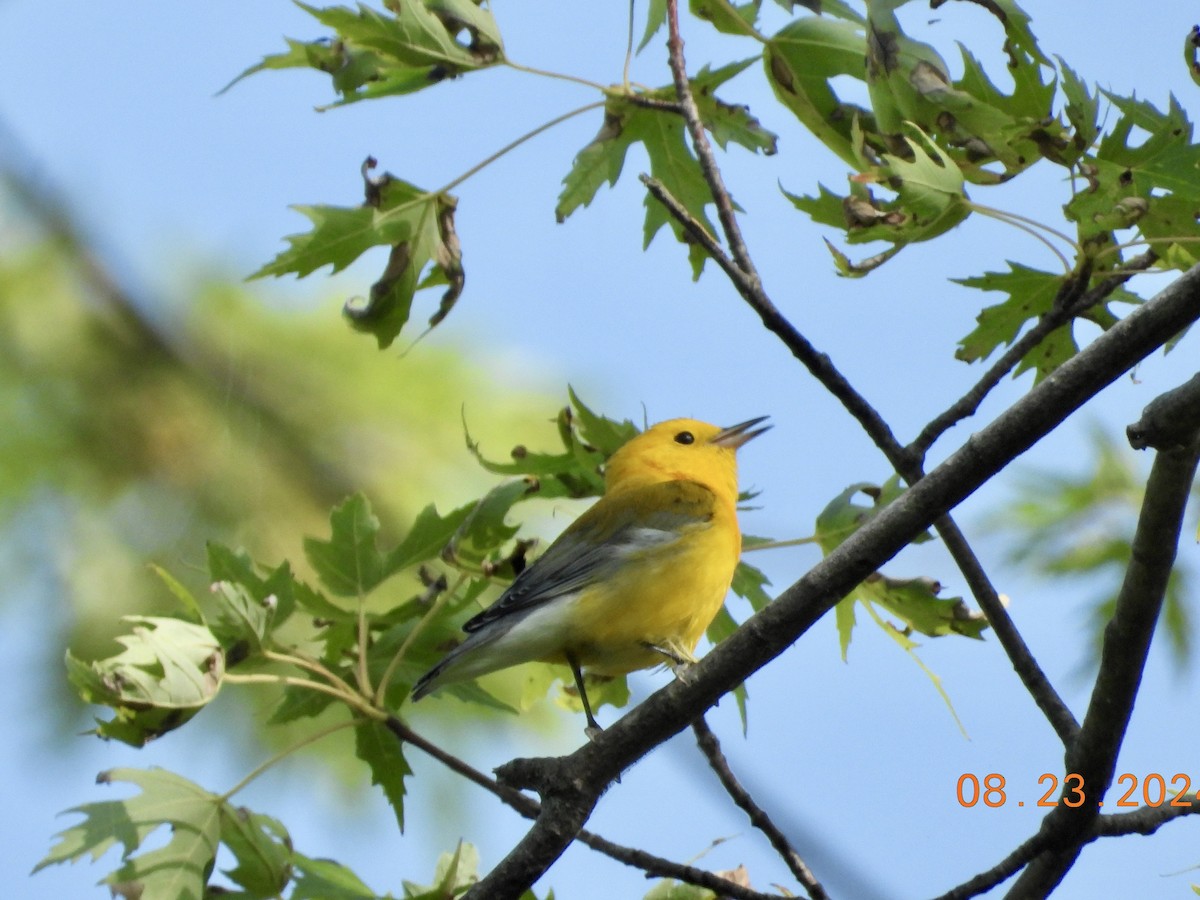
x=596, y=543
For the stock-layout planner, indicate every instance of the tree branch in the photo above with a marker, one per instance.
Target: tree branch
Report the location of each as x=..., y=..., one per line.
x=530, y=808
x=905, y=461
x=1127, y=638
x=1168, y=421
x=711, y=748
x=1145, y=820
x=1071, y=303
x=1123, y=655
x=776, y=627
x=998, y=874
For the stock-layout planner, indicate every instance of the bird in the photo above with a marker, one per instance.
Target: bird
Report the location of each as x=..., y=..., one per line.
x=635, y=580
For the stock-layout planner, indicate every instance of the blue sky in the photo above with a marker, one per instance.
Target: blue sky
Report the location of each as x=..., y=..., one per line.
x=115, y=103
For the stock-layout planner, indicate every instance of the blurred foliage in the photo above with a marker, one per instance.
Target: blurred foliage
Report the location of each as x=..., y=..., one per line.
x=123, y=443
x=239, y=427
x=1080, y=526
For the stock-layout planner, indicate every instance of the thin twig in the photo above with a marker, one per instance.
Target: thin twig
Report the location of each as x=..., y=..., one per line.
x=997, y=874
x=529, y=808
x=711, y=748
x=1032, y=676
x=1147, y=819
x=704, y=152
x=1060, y=315
x=740, y=269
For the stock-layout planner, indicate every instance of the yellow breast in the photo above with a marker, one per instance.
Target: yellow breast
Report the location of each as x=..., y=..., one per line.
x=664, y=597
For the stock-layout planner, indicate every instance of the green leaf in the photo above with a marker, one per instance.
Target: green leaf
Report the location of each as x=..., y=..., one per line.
x=915, y=602
x=429, y=535
x=656, y=17
x=900, y=73
x=596, y=431
x=410, y=47
x=383, y=753
x=262, y=848
x=841, y=517
x=483, y=529
x=276, y=589
x=662, y=135
x=930, y=201
x=299, y=703
x=727, y=122
x=1017, y=28
x=749, y=584
x=241, y=622
x=668, y=889
x=168, y=671
x=177, y=871
x=827, y=208
x=453, y=873
x=325, y=879
x=727, y=17
x=416, y=224
x=930, y=190
x=845, y=619
x=1082, y=109
x=349, y=563
x=671, y=162
x=1081, y=525
x=1032, y=294
x=588, y=440
x=1153, y=184
x=602, y=690
x=189, y=603
x=800, y=62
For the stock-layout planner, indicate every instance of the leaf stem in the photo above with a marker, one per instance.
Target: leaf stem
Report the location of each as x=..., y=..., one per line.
x=1149, y=242
x=310, y=665
x=352, y=698
x=361, y=673
x=429, y=616
x=790, y=542
x=283, y=754
x=558, y=76
x=1029, y=226
x=628, y=50
x=513, y=145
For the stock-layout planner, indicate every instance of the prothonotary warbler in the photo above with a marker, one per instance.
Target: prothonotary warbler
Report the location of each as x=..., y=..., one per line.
x=634, y=581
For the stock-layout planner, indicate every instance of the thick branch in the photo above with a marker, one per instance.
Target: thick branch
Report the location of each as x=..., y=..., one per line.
x=1169, y=421
x=530, y=808
x=711, y=748
x=773, y=629
x=1122, y=658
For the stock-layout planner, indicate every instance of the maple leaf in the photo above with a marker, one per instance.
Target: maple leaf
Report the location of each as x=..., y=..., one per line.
x=419, y=227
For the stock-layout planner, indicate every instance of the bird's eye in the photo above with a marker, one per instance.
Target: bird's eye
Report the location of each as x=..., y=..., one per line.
x=685, y=437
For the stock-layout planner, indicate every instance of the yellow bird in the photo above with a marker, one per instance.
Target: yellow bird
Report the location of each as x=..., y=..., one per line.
x=634, y=581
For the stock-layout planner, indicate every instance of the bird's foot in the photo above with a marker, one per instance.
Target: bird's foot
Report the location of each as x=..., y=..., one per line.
x=679, y=659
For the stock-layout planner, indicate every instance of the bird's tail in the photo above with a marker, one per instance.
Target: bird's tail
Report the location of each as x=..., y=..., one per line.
x=459, y=664
x=429, y=681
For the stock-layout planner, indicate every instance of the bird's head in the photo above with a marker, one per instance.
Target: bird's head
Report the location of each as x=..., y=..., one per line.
x=683, y=449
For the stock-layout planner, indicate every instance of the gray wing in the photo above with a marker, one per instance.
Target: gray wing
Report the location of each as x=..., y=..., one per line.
x=597, y=542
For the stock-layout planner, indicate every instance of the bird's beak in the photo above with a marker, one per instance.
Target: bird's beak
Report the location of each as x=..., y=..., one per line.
x=736, y=435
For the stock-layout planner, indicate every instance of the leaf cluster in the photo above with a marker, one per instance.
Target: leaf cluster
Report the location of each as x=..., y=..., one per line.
x=200, y=824
x=348, y=647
